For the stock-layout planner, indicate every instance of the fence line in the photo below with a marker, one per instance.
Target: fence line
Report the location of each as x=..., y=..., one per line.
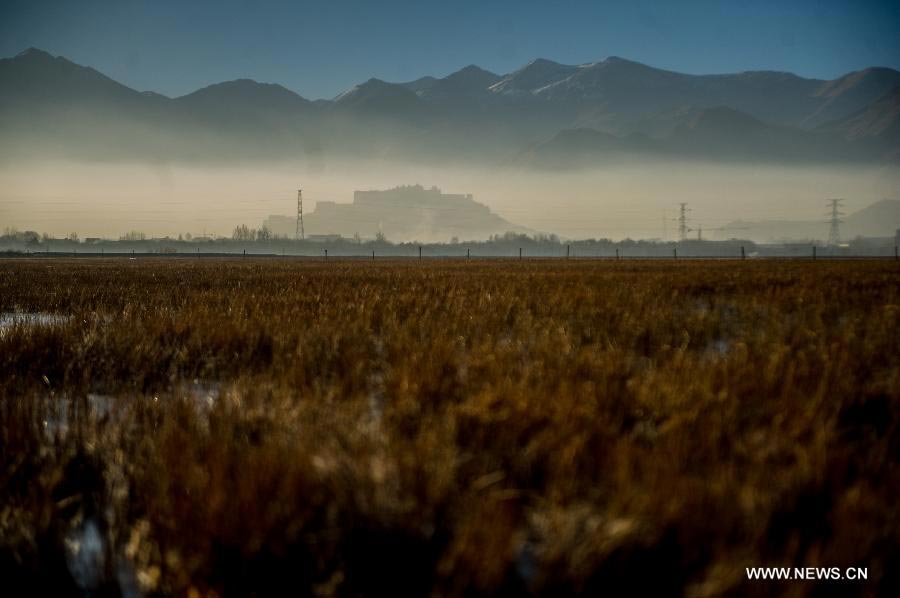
x=674, y=256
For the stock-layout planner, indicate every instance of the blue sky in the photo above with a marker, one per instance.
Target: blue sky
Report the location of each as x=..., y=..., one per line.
x=321, y=48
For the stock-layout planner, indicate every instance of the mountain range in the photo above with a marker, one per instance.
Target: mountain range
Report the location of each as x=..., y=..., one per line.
x=544, y=115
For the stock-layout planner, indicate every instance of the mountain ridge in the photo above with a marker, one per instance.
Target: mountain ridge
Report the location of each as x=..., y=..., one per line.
x=438, y=116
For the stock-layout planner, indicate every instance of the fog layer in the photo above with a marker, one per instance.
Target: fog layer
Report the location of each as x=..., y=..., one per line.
x=630, y=199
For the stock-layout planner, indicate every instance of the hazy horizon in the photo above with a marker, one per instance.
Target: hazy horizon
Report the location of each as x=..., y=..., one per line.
x=617, y=202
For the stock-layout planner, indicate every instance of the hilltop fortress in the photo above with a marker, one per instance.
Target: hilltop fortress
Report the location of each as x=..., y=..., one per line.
x=405, y=213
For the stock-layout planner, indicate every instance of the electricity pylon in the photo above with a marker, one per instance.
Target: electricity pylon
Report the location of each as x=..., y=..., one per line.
x=834, y=233
x=299, y=233
x=682, y=222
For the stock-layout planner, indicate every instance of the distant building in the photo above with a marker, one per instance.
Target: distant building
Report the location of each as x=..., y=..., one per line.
x=413, y=196
x=404, y=213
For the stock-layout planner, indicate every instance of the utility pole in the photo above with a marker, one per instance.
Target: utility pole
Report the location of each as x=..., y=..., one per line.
x=300, y=233
x=682, y=221
x=834, y=233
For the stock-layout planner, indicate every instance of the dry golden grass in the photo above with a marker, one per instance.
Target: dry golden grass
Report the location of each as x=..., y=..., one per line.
x=448, y=428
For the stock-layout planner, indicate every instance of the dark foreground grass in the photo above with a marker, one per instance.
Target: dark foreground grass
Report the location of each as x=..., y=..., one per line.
x=390, y=428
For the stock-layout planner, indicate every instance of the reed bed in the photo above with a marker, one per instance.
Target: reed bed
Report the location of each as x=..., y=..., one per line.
x=215, y=427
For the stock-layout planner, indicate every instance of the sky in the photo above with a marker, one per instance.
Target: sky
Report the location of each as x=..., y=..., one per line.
x=321, y=48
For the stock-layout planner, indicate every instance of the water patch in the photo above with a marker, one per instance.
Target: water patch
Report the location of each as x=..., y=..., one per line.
x=58, y=411
x=12, y=319
x=86, y=555
x=718, y=348
x=87, y=551
x=100, y=405
x=56, y=419
x=203, y=395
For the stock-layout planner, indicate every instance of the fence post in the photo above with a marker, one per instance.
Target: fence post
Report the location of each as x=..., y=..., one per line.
x=467, y=254
x=326, y=255
x=675, y=252
x=743, y=256
x=420, y=252
x=567, y=252
x=617, y=253
x=373, y=255
x=520, y=253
